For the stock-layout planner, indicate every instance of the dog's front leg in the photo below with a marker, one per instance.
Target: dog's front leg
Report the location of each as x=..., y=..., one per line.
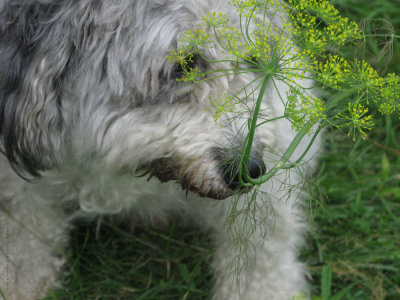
x=33, y=234
x=258, y=260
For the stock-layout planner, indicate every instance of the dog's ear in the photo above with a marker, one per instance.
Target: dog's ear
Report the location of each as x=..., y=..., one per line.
x=32, y=66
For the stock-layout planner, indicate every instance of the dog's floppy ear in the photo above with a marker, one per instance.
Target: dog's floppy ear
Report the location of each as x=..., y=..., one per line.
x=33, y=58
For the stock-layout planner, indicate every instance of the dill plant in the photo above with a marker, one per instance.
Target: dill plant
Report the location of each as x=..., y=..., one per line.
x=304, y=47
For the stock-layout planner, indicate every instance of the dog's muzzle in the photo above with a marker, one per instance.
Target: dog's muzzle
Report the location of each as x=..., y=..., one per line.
x=216, y=175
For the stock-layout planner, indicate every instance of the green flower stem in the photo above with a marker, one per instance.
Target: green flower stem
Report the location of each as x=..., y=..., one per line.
x=271, y=120
x=282, y=163
x=383, y=35
x=252, y=128
x=256, y=112
x=298, y=161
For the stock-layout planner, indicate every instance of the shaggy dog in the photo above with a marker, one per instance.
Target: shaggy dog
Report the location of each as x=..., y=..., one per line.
x=88, y=102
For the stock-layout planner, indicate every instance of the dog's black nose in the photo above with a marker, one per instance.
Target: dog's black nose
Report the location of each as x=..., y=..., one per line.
x=255, y=167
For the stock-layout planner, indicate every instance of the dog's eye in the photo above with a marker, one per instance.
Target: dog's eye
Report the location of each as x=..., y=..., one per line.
x=188, y=64
x=251, y=59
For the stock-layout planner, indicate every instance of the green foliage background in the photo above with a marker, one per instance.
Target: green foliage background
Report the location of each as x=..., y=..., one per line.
x=355, y=214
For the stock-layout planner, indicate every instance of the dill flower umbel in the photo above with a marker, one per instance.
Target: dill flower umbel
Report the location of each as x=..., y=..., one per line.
x=334, y=72
x=303, y=109
x=389, y=96
x=356, y=120
x=223, y=104
x=196, y=38
x=366, y=79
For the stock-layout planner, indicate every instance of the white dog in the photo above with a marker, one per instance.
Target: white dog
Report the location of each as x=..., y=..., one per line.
x=88, y=102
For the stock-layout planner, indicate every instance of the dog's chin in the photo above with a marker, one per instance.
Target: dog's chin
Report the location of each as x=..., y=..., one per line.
x=200, y=181
x=211, y=188
x=212, y=193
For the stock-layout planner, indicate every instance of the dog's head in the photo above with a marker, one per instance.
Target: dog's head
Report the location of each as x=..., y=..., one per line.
x=88, y=82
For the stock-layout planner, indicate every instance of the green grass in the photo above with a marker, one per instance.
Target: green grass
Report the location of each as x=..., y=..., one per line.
x=127, y=262
x=356, y=231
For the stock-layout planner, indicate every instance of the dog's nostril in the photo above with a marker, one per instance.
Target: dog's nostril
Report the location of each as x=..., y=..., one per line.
x=255, y=166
